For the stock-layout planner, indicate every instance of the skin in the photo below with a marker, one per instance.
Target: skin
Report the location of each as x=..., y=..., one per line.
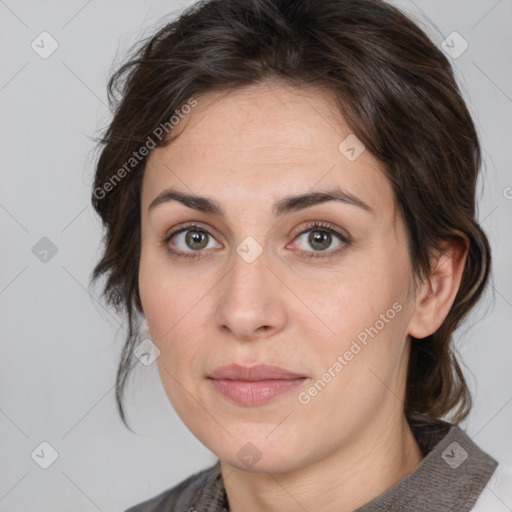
x=247, y=149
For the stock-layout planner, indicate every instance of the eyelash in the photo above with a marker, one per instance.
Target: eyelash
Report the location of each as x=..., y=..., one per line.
x=319, y=226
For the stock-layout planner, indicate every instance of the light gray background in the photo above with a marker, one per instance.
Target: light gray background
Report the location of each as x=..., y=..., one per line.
x=59, y=346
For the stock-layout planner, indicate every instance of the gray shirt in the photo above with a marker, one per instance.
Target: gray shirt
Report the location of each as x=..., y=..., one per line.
x=451, y=477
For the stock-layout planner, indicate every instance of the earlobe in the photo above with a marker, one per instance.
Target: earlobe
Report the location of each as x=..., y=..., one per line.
x=144, y=328
x=437, y=294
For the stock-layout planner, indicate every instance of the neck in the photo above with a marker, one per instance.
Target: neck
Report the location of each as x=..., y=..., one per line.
x=350, y=477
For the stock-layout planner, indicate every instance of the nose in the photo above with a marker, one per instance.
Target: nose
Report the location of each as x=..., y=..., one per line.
x=250, y=300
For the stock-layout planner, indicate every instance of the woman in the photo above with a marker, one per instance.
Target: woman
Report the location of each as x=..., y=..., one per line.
x=288, y=192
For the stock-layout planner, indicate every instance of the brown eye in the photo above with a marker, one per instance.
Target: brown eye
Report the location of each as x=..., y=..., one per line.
x=188, y=241
x=196, y=239
x=318, y=239
x=321, y=238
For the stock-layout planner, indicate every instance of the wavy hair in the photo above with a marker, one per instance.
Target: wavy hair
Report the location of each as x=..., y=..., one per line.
x=395, y=89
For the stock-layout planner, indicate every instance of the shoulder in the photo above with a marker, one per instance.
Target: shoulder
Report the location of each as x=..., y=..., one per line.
x=184, y=491
x=497, y=494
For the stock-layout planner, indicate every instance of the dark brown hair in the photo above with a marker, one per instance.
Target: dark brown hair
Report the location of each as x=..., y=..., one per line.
x=395, y=89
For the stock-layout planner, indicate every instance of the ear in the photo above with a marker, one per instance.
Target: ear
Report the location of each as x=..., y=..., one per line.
x=144, y=328
x=436, y=295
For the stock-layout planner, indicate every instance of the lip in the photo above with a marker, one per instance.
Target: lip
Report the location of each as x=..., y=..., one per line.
x=253, y=385
x=252, y=373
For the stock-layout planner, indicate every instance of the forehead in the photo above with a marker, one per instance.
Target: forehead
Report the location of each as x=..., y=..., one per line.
x=263, y=141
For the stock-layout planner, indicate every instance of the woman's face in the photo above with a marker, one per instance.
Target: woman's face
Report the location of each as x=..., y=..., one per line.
x=259, y=284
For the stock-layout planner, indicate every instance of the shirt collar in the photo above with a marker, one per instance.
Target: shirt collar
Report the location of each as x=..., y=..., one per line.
x=450, y=477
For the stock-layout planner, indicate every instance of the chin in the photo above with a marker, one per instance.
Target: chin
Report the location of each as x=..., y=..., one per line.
x=257, y=452
x=274, y=462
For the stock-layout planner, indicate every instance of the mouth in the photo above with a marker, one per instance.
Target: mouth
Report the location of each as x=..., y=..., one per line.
x=253, y=385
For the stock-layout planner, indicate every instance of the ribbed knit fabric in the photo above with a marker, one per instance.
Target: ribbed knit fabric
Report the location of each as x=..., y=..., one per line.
x=451, y=477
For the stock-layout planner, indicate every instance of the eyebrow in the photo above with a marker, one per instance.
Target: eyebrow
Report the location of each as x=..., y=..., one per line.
x=285, y=205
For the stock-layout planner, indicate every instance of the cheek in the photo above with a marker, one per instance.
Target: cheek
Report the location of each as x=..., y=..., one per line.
x=356, y=369
x=173, y=305
x=350, y=300
x=365, y=313
x=165, y=294
x=160, y=305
